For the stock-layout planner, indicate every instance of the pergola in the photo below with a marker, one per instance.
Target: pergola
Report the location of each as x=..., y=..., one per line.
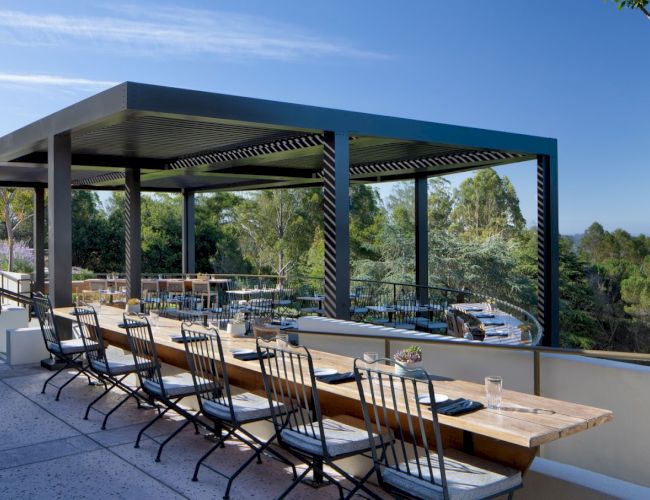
x=139, y=137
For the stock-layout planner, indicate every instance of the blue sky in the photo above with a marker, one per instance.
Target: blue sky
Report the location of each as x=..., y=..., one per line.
x=576, y=70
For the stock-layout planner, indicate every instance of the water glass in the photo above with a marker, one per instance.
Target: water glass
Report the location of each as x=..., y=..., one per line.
x=493, y=386
x=370, y=357
x=282, y=340
x=154, y=316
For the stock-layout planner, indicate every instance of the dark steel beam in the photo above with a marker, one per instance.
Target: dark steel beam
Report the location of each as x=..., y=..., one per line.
x=60, y=220
x=548, y=280
x=96, y=160
x=132, y=236
x=421, y=238
x=336, y=218
x=189, y=233
x=39, y=239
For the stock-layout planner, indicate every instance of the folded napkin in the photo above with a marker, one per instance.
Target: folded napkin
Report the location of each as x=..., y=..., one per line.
x=250, y=356
x=137, y=323
x=473, y=309
x=484, y=315
x=493, y=323
x=179, y=338
x=337, y=378
x=460, y=406
x=496, y=334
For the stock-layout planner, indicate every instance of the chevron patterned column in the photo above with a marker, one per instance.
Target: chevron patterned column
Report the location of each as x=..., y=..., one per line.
x=132, y=237
x=548, y=274
x=189, y=233
x=336, y=214
x=422, y=238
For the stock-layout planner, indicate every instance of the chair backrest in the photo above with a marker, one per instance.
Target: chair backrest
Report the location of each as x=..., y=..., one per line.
x=150, y=286
x=176, y=286
x=405, y=309
x=207, y=365
x=451, y=323
x=200, y=287
x=288, y=374
x=91, y=334
x=460, y=326
x=262, y=305
x=43, y=308
x=143, y=348
x=389, y=402
x=96, y=285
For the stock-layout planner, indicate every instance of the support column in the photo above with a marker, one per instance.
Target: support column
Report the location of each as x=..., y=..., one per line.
x=336, y=208
x=189, y=233
x=421, y=239
x=39, y=239
x=548, y=273
x=59, y=160
x=132, y=237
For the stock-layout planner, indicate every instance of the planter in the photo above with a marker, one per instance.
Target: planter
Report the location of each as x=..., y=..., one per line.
x=411, y=366
x=133, y=308
x=236, y=329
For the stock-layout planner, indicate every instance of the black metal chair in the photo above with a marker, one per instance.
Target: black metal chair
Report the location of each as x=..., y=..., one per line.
x=405, y=312
x=220, y=406
x=111, y=370
x=288, y=374
x=71, y=352
x=434, y=319
x=168, y=390
x=408, y=465
x=263, y=305
x=363, y=297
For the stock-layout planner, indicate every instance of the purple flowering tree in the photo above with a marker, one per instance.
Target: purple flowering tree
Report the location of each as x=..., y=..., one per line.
x=17, y=208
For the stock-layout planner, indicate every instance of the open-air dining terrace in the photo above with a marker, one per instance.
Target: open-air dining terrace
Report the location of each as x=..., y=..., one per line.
x=350, y=386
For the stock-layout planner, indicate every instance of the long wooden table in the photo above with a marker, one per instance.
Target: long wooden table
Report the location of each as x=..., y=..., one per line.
x=510, y=435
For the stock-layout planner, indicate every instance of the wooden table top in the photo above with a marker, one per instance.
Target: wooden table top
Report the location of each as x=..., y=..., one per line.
x=524, y=420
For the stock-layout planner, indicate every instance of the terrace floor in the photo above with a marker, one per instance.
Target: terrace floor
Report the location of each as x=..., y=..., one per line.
x=48, y=451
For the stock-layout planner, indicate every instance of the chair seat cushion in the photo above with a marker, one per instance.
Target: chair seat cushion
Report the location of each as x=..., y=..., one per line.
x=176, y=385
x=73, y=346
x=117, y=365
x=468, y=477
x=340, y=438
x=247, y=407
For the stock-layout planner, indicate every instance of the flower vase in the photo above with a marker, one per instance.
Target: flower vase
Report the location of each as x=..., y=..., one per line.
x=133, y=308
x=410, y=366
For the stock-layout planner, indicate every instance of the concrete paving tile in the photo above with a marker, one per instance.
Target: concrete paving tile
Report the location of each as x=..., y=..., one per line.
x=98, y=475
x=24, y=423
x=48, y=450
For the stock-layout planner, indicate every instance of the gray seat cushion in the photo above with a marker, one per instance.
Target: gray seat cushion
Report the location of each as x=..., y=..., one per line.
x=247, y=407
x=468, y=477
x=175, y=385
x=117, y=365
x=74, y=346
x=341, y=438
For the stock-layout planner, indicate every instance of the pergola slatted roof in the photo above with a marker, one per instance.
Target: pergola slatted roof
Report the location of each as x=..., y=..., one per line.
x=183, y=139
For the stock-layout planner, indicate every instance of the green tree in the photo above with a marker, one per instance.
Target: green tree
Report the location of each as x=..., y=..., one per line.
x=89, y=226
x=487, y=205
x=641, y=5
x=16, y=209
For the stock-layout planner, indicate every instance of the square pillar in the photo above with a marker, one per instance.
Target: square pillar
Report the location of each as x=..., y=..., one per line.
x=132, y=236
x=39, y=239
x=548, y=266
x=421, y=239
x=59, y=190
x=336, y=217
x=189, y=233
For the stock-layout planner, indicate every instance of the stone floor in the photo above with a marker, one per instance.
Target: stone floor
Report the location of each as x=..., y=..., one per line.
x=48, y=451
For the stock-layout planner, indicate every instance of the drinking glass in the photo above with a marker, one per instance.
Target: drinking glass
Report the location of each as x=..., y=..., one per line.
x=493, y=386
x=154, y=316
x=370, y=357
x=282, y=340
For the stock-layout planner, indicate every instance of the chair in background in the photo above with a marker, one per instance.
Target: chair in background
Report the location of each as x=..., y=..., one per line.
x=92, y=289
x=300, y=426
x=112, y=369
x=226, y=411
x=71, y=352
x=151, y=297
x=435, y=320
x=362, y=298
x=263, y=306
x=408, y=465
x=405, y=312
x=201, y=289
x=168, y=390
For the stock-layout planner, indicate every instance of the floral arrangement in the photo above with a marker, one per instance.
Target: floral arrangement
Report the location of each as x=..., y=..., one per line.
x=410, y=355
x=238, y=319
x=133, y=302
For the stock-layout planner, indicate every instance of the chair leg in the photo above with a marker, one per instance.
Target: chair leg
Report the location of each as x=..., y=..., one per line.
x=221, y=440
x=112, y=410
x=51, y=377
x=58, y=393
x=170, y=437
x=296, y=481
x=358, y=484
x=153, y=421
x=90, y=405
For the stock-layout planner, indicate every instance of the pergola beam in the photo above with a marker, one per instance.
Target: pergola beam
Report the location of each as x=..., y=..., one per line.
x=188, y=233
x=132, y=234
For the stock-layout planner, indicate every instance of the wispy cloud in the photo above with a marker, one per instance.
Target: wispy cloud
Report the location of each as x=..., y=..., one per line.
x=54, y=81
x=176, y=31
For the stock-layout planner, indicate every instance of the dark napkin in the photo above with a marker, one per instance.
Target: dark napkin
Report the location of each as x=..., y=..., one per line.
x=337, y=378
x=473, y=309
x=493, y=323
x=136, y=324
x=460, y=406
x=484, y=315
x=497, y=334
x=250, y=356
x=179, y=338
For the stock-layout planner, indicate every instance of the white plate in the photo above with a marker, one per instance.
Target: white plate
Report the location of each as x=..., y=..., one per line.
x=322, y=372
x=241, y=351
x=440, y=398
